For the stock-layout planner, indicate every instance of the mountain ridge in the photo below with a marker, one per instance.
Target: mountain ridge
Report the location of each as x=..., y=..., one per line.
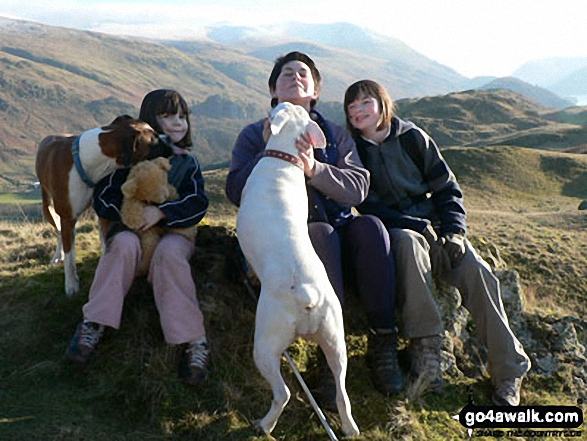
x=58, y=80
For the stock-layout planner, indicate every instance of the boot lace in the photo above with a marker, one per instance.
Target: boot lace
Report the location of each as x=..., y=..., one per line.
x=198, y=354
x=90, y=334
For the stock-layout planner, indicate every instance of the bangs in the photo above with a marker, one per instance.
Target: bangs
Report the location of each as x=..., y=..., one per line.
x=355, y=91
x=171, y=104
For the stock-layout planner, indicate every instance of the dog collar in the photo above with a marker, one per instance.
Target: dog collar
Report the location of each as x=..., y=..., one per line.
x=295, y=160
x=78, y=163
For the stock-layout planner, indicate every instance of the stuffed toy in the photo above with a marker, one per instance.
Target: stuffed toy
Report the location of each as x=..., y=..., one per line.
x=147, y=184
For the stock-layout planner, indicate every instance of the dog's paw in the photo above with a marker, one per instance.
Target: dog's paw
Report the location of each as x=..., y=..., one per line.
x=259, y=429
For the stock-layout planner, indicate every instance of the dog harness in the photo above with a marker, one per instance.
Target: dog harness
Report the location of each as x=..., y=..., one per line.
x=78, y=164
x=295, y=160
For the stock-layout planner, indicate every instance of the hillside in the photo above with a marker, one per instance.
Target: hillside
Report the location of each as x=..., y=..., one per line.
x=56, y=80
x=493, y=117
x=488, y=117
x=522, y=211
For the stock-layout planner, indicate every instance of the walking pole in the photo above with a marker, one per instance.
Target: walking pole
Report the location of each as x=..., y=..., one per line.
x=317, y=409
x=294, y=368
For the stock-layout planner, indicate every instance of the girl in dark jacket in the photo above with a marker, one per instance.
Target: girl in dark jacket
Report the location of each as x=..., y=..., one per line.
x=417, y=197
x=170, y=273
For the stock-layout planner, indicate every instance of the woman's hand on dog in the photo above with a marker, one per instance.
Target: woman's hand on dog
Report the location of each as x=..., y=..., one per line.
x=305, y=147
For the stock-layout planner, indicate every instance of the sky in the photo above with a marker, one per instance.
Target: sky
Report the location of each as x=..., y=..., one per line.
x=474, y=37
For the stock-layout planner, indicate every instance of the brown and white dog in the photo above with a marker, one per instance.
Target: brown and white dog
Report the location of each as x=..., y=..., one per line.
x=69, y=166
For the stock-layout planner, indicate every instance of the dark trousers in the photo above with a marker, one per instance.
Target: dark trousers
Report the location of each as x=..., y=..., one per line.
x=360, y=253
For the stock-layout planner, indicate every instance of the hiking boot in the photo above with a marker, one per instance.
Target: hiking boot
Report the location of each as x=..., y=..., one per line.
x=425, y=360
x=82, y=345
x=381, y=356
x=506, y=392
x=193, y=365
x=324, y=388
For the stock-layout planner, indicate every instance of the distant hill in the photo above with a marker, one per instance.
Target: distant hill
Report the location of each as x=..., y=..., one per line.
x=58, y=80
x=541, y=95
x=347, y=53
x=492, y=117
x=565, y=76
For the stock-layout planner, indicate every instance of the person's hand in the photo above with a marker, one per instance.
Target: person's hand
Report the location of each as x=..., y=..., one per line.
x=439, y=258
x=266, y=130
x=305, y=148
x=454, y=244
x=151, y=215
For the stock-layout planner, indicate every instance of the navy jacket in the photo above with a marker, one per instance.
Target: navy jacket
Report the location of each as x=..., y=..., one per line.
x=185, y=175
x=411, y=183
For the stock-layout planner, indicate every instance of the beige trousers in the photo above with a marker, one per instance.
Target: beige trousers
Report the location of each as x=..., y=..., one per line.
x=481, y=296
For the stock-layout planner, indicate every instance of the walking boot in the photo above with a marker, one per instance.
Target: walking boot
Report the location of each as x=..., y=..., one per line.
x=381, y=356
x=507, y=391
x=425, y=360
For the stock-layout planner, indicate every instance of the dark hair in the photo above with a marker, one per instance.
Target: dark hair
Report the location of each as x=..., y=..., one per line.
x=372, y=89
x=165, y=101
x=294, y=56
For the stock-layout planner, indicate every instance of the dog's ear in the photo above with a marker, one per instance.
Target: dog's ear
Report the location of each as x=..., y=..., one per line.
x=316, y=135
x=122, y=120
x=127, y=150
x=278, y=121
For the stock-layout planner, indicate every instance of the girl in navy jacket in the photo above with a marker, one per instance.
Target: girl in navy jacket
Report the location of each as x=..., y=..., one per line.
x=170, y=273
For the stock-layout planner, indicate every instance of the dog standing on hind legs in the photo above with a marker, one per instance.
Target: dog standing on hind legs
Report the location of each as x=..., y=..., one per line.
x=296, y=297
x=68, y=167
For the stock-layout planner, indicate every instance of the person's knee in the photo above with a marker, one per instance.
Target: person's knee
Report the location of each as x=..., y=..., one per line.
x=368, y=232
x=125, y=243
x=324, y=238
x=320, y=230
x=408, y=241
x=369, y=226
x=472, y=263
x=170, y=249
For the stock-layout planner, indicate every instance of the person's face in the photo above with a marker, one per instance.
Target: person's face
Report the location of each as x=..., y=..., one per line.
x=295, y=84
x=364, y=113
x=173, y=125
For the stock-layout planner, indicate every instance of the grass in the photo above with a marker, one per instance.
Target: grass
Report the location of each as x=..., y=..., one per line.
x=131, y=391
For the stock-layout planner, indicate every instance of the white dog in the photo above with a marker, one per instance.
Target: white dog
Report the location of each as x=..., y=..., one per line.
x=296, y=298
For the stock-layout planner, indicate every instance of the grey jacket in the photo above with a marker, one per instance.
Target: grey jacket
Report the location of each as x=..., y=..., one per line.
x=411, y=183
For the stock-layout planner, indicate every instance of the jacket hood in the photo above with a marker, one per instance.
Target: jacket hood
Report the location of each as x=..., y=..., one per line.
x=399, y=126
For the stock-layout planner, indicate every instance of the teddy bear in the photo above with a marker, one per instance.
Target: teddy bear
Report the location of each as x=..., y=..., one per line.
x=147, y=184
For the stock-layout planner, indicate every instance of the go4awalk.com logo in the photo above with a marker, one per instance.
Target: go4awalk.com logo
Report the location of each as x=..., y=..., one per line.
x=522, y=421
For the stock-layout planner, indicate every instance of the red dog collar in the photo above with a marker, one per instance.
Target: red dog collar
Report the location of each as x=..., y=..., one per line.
x=295, y=160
